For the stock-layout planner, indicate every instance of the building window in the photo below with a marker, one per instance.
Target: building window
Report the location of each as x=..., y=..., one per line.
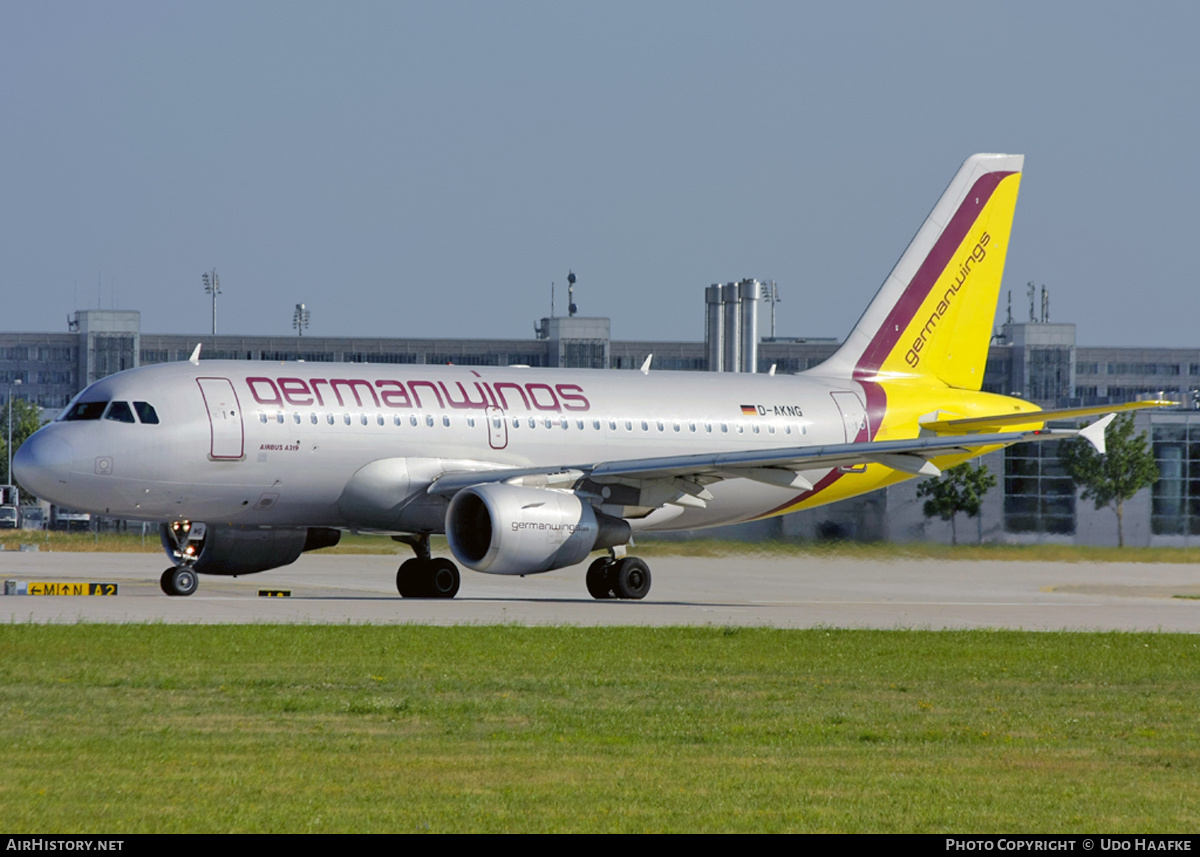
x=1175, y=497
x=1049, y=373
x=1039, y=497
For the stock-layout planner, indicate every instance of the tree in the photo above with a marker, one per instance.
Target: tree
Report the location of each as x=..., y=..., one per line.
x=26, y=419
x=958, y=489
x=1126, y=468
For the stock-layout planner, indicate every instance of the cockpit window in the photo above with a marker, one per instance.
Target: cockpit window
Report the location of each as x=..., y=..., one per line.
x=146, y=413
x=120, y=412
x=86, y=411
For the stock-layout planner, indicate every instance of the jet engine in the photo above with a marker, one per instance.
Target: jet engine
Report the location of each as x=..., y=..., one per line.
x=510, y=529
x=234, y=550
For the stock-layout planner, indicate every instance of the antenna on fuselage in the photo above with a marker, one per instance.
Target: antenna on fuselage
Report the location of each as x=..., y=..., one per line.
x=195, y=358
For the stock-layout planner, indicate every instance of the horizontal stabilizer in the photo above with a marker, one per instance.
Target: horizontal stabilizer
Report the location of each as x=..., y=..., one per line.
x=997, y=422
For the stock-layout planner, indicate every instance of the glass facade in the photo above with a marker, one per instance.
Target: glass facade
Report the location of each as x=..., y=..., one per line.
x=1039, y=497
x=1175, y=497
x=113, y=353
x=1049, y=373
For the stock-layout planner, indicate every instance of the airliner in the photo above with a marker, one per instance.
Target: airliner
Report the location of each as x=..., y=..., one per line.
x=246, y=465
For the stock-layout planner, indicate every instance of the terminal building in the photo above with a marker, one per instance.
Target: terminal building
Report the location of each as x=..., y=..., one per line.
x=1036, y=360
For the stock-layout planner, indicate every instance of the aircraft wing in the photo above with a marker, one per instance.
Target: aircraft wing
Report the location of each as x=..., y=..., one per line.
x=688, y=474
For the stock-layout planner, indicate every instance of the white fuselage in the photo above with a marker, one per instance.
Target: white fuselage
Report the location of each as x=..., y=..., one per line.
x=278, y=444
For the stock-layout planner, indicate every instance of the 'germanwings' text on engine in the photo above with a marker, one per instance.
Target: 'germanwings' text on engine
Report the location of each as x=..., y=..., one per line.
x=247, y=465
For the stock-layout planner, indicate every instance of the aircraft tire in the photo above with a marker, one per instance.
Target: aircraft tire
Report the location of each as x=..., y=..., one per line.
x=442, y=578
x=179, y=581
x=631, y=579
x=410, y=577
x=599, y=578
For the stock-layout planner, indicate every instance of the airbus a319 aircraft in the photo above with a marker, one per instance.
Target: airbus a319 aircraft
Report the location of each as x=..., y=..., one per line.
x=247, y=464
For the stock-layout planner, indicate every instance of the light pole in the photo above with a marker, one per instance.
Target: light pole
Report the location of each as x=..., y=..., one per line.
x=300, y=321
x=15, y=383
x=212, y=286
x=771, y=293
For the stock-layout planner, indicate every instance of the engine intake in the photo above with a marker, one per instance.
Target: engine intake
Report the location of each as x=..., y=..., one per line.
x=509, y=529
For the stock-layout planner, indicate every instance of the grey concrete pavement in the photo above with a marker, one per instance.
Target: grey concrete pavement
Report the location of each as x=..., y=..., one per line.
x=795, y=592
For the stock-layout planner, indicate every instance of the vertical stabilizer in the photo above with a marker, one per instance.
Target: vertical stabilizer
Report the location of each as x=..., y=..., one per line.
x=932, y=318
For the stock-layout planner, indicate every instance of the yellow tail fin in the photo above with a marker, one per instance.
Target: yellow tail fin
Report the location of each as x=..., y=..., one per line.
x=932, y=318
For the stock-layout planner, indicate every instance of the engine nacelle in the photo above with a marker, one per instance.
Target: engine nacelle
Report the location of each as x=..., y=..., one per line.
x=233, y=550
x=508, y=529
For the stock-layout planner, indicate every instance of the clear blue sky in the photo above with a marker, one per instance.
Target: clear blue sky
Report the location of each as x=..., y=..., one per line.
x=427, y=169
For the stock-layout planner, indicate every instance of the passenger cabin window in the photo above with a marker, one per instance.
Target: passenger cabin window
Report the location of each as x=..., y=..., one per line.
x=86, y=411
x=120, y=412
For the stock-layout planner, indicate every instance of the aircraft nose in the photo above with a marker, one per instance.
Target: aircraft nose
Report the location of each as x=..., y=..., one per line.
x=42, y=464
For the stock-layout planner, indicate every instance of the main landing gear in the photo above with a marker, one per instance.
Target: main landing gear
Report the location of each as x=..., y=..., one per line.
x=609, y=577
x=425, y=576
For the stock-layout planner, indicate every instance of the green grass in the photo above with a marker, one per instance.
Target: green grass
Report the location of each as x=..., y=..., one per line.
x=651, y=546
x=369, y=728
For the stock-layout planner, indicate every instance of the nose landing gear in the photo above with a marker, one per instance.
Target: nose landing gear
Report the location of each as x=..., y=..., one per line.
x=180, y=580
x=184, y=542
